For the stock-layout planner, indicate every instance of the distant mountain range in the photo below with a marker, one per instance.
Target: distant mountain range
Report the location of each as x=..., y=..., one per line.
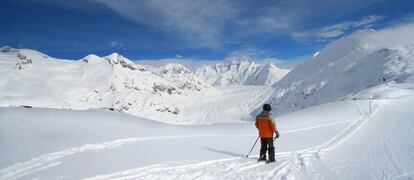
x=241, y=72
x=165, y=94
x=364, y=65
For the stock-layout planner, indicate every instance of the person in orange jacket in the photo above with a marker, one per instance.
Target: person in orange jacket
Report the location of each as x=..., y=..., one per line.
x=266, y=126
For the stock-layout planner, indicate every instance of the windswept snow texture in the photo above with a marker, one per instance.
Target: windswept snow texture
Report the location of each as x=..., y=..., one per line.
x=173, y=95
x=356, y=139
x=345, y=68
x=240, y=71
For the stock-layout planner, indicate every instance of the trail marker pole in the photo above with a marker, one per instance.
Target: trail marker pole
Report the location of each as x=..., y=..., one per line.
x=370, y=109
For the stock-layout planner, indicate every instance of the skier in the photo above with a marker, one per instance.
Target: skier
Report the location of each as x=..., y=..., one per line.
x=266, y=126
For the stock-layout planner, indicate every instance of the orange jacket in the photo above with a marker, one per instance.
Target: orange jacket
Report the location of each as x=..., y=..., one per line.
x=265, y=125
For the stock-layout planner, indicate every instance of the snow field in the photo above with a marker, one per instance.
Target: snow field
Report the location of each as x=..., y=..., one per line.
x=121, y=145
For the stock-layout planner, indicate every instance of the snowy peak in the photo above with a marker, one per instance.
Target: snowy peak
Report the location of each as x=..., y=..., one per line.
x=315, y=54
x=92, y=59
x=347, y=67
x=114, y=59
x=237, y=63
x=117, y=59
x=24, y=53
x=7, y=49
x=240, y=72
x=182, y=77
x=23, y=58
x=174, y=68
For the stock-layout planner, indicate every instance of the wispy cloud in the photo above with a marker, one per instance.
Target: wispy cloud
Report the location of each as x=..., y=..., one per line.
x=221, y=23
x=201, y=21
x=116, y=44
x=214, y=23
x=337, y=30
x=252, y=53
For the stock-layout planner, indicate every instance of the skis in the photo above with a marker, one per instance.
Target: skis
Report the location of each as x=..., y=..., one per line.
x=266, y=161
x=269, y=162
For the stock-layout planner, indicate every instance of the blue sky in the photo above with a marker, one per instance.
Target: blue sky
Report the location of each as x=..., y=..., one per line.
x=213, y=29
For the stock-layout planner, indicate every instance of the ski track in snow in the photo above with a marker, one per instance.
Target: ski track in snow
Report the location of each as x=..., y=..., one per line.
x=21, y=169
x=288, y=164
x=300, y=161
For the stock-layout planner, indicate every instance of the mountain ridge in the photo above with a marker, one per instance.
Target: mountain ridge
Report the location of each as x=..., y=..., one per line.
x=347, y=67
x=173, y=95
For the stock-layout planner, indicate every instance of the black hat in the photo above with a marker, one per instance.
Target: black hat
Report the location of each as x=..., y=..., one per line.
x=267, y=107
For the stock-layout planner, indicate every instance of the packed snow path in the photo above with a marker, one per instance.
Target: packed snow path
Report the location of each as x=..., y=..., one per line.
x=240, y=167
x=49, y=160
x=315, y=143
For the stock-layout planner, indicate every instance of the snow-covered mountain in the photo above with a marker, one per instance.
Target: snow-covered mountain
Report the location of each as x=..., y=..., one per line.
x=345, y=69
x=240, y=71
x=182, y=77
x=92, y=82
x=348, y=67
x=173, y=94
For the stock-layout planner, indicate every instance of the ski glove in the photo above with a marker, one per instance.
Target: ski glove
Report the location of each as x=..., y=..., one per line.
x=277, y=134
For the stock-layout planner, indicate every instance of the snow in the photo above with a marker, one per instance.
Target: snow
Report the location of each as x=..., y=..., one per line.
x=171, y=95
x=342, y=139
x=383, y=145
x=240, y=72
x=347, y=67
x=315, y=54
x=98, y=130
x=346, y=113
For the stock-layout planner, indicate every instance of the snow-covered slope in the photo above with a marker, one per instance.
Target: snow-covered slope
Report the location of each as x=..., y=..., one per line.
x=345, y=68
x=355, y=139
x=240, y=72
x=172, y=95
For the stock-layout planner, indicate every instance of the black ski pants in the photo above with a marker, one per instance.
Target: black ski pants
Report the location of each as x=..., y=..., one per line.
x=267, y=145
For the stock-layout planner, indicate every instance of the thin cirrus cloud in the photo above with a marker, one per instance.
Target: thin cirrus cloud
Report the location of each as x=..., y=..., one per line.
x=205, y=23
x=116, y=44
x=340, y=28
x=202, y=21
x=329, y=32
x=213, y=23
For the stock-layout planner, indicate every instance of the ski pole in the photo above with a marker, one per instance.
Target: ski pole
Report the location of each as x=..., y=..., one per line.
x=253, y=146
